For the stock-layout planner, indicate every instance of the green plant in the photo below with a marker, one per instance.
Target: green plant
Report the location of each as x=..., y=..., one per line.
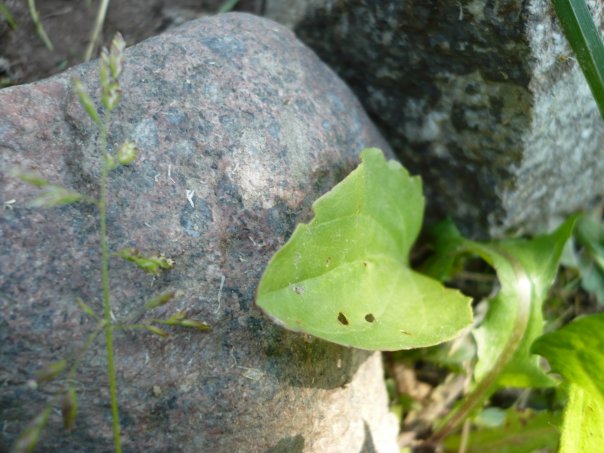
x=96, y=31
x=356, y=251
x=585, y=40
x=344, y=277
x=8, y=17
x=509, y=337
x=111, y=66
x=35, y=17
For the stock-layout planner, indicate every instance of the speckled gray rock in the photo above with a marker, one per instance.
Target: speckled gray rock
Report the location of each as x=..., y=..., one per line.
x=484, y=99
x=237, y=113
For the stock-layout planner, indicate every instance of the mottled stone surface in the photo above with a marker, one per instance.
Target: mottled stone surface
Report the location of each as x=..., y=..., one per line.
x=237, y=111
x=483, y=98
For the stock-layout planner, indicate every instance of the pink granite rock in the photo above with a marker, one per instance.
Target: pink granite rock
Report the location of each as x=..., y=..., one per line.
x=240, y=128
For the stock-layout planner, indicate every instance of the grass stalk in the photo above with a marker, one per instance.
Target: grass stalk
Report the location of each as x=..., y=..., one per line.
x=98, y=27
x=105, y=277
x=35, y=17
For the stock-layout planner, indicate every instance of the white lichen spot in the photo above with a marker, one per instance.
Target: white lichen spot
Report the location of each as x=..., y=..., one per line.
x=190, y=194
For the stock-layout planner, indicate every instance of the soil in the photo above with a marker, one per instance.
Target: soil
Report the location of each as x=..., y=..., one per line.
x=68, y=23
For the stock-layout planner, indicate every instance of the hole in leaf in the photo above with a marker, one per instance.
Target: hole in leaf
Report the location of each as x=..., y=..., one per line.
x=369, y=317
x=342, y=318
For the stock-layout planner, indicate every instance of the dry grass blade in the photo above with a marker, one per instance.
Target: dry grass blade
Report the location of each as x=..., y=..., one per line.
x=96, y=32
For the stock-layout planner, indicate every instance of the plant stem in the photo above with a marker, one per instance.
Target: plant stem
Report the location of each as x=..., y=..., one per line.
x=35, y=17
x=84, y=349
x=106, y=296
x=98, y=26
x=482, y=390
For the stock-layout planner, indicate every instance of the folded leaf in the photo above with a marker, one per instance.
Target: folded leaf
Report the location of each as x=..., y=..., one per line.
x=344, y=276
x=526, y=269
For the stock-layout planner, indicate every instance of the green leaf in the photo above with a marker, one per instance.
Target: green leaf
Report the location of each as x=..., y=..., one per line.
x=344, y=277
x=584, y=37
x=526, y=269
x=521, y=432
x=582, y=428
x=576, y=351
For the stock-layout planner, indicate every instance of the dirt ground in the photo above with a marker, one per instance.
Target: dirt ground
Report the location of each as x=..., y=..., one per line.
x=68, y=23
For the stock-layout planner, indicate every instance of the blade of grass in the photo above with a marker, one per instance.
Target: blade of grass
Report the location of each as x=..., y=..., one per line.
x=98, y=27
x=586, y=42
x=4, y=11
x=35, y=17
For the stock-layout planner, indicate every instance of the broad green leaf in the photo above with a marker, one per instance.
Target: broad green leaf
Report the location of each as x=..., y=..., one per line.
x=576, y=351
x=521, y=432
x=583, y=425
x=344, y=277
x=526, y=269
